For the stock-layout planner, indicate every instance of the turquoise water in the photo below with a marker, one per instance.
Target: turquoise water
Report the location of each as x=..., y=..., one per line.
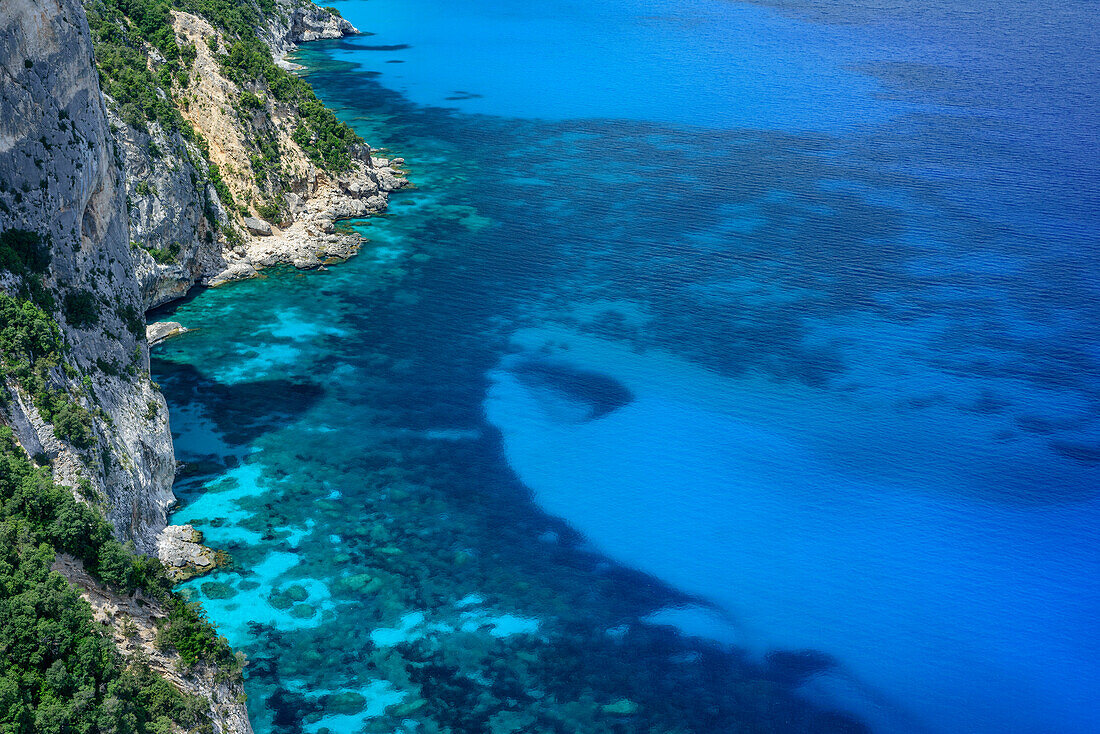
x=732, y=367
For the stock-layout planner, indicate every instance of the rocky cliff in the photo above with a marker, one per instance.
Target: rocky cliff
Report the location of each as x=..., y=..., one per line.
x=190, y=157
x=277, y=205
x=61, y=183
x=75, y=360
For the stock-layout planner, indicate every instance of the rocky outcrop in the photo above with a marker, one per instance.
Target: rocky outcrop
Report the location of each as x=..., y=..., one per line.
x=181, y=550
x=298, y=21
x=132, y=622
x=60, y=180
x=163, y=330
x=183, y=233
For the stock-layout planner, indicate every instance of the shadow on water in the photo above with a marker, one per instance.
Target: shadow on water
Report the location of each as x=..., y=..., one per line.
x=240, y=412
x=599, y=394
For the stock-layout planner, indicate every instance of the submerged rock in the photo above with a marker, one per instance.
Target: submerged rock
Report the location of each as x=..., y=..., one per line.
x=621, y=707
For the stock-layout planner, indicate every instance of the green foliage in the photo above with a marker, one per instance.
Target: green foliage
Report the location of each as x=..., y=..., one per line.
x=73, y=423
x=81, y=308
x=326, y=140
x=47, y=516
x=119, y=28
x=269, y=211
x=30, y=343
x=251, y=101
x=165, y=255
x=30, y=347
x=23, y=252
x=188, y=632
x=58, y=671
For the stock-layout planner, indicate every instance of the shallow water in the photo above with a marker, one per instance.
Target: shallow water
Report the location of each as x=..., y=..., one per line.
x=712, y=330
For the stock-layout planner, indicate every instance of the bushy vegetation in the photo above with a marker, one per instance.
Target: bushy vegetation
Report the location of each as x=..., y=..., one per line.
x=30, y=343
x=165, y=255
x=23, y=252
x=30, y=348
x=326, y=140
x=26, y=255
x=58, y=671
x=119, y=28
x=46, y=514
x=73, y=423
x=81, y=308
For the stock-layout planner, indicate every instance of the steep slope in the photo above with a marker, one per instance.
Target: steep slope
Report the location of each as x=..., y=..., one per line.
x=200, y=160
x=63, y=207
x=231, y=163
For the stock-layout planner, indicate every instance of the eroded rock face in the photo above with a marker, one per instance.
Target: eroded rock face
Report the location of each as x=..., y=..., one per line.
x=58, y=166
x=295, y=22
x=61, y=181
x=175, y=215
x=171, y=210
x=132, y=622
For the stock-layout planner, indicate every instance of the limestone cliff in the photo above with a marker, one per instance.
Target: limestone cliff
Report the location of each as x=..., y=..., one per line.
x=184, y=230
x=177, y=163
x=60, y=182
x=86, y=407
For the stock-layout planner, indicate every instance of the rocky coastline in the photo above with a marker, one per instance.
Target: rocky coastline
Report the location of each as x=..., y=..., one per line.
x=140, y=212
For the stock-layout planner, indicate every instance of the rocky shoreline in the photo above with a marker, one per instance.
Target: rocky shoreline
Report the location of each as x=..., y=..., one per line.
x=240, y=243
x=188, y=177
x=311, y=240
x=306, y=238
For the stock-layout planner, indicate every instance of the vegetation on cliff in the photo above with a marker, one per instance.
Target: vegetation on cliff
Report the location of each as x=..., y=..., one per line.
x=30, y=340
x=147, y=71
x=59, y=672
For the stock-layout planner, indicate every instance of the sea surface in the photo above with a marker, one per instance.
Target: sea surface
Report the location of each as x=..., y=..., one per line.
x=732, y=367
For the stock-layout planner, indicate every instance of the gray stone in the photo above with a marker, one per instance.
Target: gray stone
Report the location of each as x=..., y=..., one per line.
x=51, y=109
x=236, y=271
x=163, y=330
x=257, y=226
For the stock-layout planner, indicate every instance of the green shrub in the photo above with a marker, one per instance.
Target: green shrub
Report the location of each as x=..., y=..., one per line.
x=30, y=342
x=165, y=255
x=251, y=101
x=269, y=211
x=23, y=252
x=134, y=319
x=81, y=308
x=73, y=423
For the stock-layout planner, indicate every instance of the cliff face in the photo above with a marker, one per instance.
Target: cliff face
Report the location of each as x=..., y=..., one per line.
x=296, y=21
x=125, y=211
x=61, y=181
x=183, y=231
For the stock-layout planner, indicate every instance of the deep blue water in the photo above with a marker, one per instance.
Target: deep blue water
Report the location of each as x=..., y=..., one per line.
x=750, y=346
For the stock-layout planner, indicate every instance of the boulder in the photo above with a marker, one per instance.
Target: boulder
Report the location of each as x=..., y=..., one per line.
x=257, y=226
x=161, y=330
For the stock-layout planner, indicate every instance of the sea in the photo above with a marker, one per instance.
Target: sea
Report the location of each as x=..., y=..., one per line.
x=729, y=367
